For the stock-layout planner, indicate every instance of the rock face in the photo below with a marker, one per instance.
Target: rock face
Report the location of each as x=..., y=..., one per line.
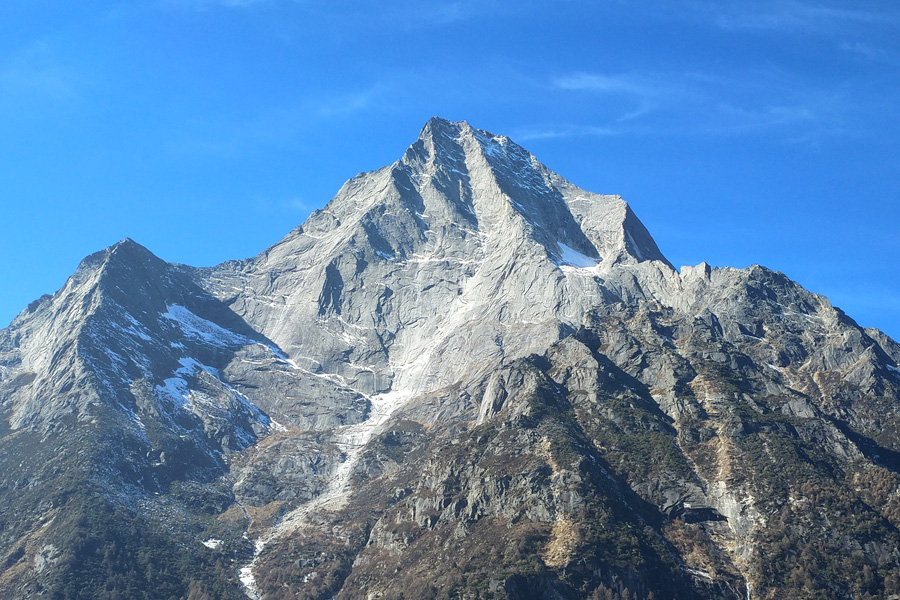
x=464, y=377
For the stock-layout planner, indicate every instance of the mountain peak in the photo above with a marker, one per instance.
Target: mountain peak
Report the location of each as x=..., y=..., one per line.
x=126, y=249
x=455, y=180
x=120, y=266
x=440, y=125
x=131, y=250
x=501, y=183
x=127, y=243
x=455, y=129
x=460, y=131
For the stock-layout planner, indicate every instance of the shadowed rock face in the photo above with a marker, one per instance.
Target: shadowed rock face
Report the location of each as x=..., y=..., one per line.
x=464, y=377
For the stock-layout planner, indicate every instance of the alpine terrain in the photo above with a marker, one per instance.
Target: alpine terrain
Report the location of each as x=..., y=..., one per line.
x=464, y=378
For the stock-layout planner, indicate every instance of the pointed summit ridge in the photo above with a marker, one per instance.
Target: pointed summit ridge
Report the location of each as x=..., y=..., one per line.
x=439, y=125
x=478, y=239
x=500, y=183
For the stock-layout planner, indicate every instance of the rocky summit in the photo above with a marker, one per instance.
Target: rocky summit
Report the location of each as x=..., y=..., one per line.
x=464, y=378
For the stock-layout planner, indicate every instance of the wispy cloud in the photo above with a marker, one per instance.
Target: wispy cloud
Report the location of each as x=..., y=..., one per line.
x=596, y=82
x=727, y=118
x=726, y=103
x=439, y=13
x=563, y=131
x=36, y=72
x=344, y=104
x=415, y=13
x=400, y=14
x=641, y=95
x=281, y=205
x=795, y=16
x=869, y=52
x=201, y=5
x=298, y=204
x=274, y=126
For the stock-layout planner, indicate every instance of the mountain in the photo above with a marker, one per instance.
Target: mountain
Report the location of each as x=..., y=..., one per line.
x=464, y=377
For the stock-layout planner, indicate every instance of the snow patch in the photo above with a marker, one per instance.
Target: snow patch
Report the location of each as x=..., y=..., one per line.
x=189, y=366
x=352, y=439
x=176, y=389
x=574, y=258
x=132, y=330
x=212, y=543
x=196, y=327
x=245, y=574
x=492, y=145
x=699, y=573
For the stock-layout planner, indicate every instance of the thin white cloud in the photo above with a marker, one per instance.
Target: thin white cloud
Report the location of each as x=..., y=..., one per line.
x=36, y=72
x=350, y=103
x=727, y=103
x=731, y=119
x=440, y=13
x=229, y=138
x=598, y=82
x=642, y=95
x=407, y=14
x=201, y=5
x=298, y=204
x=402, y=14
x=644, y=108
x=279, y=206
x=868, y=52
x=564, y=131
x=795, y=16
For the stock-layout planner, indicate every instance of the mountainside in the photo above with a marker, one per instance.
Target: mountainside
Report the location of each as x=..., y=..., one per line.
x=465, y=377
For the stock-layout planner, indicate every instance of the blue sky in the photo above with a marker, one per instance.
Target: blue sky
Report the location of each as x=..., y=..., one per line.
x=740, y=132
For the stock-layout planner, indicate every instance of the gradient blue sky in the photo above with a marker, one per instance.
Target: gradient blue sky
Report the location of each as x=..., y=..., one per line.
x=740, y=132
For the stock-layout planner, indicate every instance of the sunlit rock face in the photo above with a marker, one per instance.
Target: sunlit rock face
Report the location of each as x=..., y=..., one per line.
x=465, y=377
